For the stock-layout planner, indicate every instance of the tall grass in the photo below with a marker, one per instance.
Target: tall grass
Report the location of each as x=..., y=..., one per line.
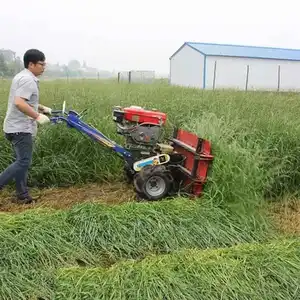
x=254, y=135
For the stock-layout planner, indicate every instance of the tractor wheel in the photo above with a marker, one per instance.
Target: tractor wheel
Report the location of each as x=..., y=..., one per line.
x=153, y=182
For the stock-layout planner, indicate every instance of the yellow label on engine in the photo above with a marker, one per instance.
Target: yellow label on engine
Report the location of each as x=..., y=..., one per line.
x=151, y=161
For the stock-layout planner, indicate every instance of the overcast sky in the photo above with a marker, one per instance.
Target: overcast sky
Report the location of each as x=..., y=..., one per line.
x=136, y=34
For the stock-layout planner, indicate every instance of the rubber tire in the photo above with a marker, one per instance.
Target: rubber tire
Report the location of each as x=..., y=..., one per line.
x=141, y=178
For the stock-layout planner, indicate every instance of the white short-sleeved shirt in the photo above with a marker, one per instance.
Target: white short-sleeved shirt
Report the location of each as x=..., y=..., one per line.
x=26, y=85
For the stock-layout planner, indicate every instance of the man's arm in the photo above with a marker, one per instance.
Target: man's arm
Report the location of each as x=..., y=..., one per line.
x=23, y=94
x=24, y=107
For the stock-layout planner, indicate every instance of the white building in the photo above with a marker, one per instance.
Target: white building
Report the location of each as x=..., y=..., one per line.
x=217, y=66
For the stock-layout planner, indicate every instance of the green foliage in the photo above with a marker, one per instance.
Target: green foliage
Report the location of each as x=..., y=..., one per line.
x=74, y=64
x=9, y=65
x=99, y=235
x=268, y=271
x=254, y=136
x=66, y=255
x=3, y=65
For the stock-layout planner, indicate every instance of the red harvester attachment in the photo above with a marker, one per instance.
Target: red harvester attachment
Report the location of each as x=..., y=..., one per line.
x=198, y=158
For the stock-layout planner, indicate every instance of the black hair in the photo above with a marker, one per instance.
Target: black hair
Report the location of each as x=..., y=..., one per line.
x=33, y=56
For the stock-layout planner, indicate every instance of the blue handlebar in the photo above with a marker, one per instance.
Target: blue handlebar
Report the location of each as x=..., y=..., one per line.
x=72, y=119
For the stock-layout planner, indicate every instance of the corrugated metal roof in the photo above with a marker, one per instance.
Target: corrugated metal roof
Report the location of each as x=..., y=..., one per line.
x=245, y=51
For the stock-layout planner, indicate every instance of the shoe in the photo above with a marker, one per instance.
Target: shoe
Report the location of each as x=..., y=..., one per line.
x=25, y=200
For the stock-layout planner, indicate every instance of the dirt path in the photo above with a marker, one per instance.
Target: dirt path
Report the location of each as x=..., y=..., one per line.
x=286, y=216
x=60, y=198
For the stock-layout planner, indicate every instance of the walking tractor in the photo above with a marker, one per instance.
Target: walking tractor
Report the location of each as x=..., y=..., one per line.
x=156, y=169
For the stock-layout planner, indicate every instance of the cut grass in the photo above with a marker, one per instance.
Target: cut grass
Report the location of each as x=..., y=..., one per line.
x=38, y=238
x=270, y=271
x=66, y=197
x=134, y=230
x=34, y=244
x=27, y=284
x=249, y=271
x=286, y=216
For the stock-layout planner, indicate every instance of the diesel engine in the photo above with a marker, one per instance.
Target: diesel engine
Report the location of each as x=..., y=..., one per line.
x=141, y=128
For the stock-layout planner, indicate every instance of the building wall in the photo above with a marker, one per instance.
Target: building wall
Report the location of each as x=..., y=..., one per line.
x=263, y=74
x=186, y=68
x=289, y=76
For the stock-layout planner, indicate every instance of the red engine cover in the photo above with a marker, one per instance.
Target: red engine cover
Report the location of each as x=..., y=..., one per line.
x=140, y=115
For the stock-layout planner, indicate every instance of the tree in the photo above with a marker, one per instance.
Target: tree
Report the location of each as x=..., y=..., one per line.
x=3, y=65
x=19, y=64
x=74, y=65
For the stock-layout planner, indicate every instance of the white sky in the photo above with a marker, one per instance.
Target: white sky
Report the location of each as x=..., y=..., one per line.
x=137, y=34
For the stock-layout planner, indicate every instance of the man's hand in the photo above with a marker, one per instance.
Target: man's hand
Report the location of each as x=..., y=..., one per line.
x=44, y=109
x=42, y=119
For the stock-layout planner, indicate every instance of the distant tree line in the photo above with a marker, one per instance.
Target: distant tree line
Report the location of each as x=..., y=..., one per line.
x=10, y=64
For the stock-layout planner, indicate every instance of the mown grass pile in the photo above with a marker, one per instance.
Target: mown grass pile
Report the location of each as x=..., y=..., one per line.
x=266, y=271
x=246, y=271
x=256, y=147
x=101, y=235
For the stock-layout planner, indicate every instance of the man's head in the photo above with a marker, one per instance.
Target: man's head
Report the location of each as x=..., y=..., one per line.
x=34, y=61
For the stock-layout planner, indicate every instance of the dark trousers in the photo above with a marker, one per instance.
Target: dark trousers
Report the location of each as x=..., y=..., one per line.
x=22, y=144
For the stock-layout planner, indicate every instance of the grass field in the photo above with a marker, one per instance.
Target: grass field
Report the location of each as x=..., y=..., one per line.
x=226, y=245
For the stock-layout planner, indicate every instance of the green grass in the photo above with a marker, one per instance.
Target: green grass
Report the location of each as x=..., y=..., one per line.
x=256, y=147
x=246, y=271
x=94, y=234
x=254, y=135
x=268, y=271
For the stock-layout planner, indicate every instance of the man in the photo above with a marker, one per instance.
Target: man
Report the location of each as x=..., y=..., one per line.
x=20, y=125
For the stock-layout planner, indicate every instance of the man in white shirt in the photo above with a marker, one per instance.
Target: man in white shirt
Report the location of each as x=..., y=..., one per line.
x=20, y=125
